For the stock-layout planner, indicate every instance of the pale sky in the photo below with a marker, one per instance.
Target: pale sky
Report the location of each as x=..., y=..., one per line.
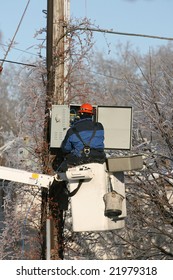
x=149, y=17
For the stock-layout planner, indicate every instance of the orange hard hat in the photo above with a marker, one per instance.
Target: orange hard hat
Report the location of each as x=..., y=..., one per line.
x=86, y=108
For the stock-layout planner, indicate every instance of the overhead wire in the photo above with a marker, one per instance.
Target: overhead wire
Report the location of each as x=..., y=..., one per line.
x=120, y=33
x=16, y=62
x=19, y=50
x=75, y=28
x=17, y=29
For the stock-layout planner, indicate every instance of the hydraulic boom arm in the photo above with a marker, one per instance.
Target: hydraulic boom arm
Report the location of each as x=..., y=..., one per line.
x=43, y=180
x=25, y=177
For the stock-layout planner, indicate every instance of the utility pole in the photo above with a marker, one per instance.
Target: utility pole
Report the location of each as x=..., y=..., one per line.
x=57, y=14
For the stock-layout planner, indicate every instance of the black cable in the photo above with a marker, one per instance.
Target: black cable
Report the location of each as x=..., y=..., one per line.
x=16, y=62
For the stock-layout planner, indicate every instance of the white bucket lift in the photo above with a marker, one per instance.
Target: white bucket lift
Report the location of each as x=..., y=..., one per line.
x=90, y=204
x=100, y=203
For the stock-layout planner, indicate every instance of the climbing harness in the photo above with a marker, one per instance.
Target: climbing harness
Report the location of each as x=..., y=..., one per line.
x=86, y=148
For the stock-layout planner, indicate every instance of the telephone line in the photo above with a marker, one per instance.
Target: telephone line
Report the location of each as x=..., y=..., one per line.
x=5, y=45
x=16, y=62
x=120, y=33
x=10, y=45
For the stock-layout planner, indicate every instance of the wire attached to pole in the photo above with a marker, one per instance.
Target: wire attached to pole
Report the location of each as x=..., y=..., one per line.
x=16, y=62
x=12, y=41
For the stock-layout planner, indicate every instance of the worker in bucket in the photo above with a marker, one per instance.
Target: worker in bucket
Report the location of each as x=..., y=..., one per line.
x=84, y=140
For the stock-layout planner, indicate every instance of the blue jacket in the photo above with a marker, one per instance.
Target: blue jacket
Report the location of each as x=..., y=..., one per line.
x=72, y=144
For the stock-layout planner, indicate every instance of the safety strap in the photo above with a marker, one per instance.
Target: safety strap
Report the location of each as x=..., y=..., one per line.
x=80, y=138
x=70, y=194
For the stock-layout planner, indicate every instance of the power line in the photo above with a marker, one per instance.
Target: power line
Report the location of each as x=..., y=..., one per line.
x=120, y=33
x=19, y=50
x=16, y=62
x=9, y=47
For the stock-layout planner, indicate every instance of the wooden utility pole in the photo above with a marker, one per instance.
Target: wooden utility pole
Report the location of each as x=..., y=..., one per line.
x=57, y=15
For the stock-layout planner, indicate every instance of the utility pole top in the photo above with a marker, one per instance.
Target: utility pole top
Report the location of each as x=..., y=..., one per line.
x=58, y=14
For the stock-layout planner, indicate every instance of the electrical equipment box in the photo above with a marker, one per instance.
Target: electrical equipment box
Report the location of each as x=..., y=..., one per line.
x=60, y=122
x=116, y=120
x=117, y=123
